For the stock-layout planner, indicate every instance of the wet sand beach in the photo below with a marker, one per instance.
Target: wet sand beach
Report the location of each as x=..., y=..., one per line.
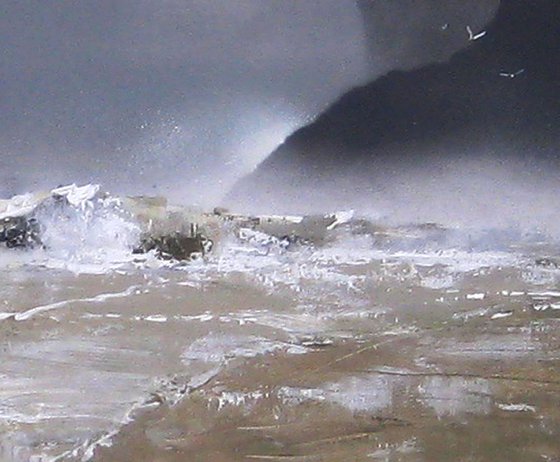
x=480, y=389
x=339, y=352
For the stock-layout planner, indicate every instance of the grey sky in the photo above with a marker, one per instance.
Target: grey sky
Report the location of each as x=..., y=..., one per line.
x=180, y=97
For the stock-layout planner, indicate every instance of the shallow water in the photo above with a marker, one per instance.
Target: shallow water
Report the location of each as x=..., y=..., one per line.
x=355, y=350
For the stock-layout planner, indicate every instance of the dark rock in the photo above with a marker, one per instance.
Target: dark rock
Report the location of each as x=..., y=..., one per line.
x=220, y=211
x=22, y=232
x=547, y=262
x=177, y=246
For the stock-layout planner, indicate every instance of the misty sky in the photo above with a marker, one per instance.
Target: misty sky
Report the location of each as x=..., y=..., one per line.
x=181, y=97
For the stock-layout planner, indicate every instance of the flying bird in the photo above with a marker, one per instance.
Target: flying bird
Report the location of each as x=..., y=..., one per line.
x=511, y=75
x=472, y=36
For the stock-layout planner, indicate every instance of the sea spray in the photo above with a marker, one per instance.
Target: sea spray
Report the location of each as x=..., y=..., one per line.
x=80, y=225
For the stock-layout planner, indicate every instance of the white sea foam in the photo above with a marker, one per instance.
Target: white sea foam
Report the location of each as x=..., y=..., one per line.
x=24, y=316
x=20, y=205
x=517, y=407
x=221, y=348
x=502, y=314
x=156, y=318
x=77, y=196
x=479, y=296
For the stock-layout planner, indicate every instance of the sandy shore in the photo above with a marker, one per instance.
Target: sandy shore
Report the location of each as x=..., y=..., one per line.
x=323, y=354
x=443, y=384
x=422, y=396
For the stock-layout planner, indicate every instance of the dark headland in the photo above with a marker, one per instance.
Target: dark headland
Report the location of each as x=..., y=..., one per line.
x=462, y=133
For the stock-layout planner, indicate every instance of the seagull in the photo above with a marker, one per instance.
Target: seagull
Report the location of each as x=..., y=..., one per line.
x=511, y=75
x=473, y=37
x=445, y=26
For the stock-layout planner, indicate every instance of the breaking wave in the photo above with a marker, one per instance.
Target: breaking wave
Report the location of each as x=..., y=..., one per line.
x=79, y=227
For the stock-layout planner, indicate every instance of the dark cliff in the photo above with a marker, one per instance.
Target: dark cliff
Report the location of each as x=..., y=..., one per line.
x=497, y=99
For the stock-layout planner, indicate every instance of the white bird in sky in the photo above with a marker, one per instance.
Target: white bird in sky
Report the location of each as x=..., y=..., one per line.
x=472, y=36
x=511, y=75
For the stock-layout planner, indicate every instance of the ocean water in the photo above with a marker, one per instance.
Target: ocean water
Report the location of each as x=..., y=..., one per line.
x=94, y=338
